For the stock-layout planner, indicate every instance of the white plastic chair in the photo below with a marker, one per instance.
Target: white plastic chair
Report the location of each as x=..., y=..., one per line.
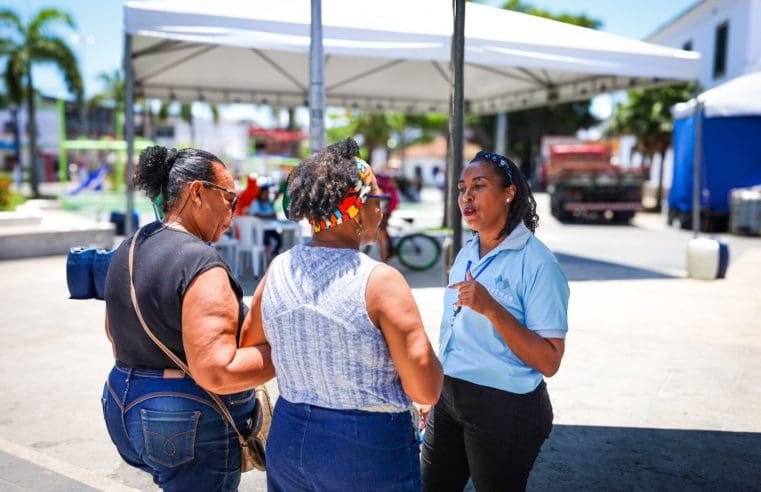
x=228, y=249
x=250, y=244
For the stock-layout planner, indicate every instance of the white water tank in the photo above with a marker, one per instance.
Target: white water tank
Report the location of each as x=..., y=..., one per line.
x=707, y=259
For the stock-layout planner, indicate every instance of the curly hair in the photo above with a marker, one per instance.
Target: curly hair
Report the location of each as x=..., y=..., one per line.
x=523, y=208
x=163, y=172
x=318, y=184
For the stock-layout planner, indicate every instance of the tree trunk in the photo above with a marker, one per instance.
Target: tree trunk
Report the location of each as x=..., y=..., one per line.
x=16, y=135
x=447, y=160
x=292, y=126
x=147, y=121
x=659, y=191
x=34, y=176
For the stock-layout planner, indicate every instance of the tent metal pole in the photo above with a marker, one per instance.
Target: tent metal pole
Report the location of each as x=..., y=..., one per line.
x=456, y=125
x=316, y=81
x=500, y=146
x=129, y=132
x=697, y=164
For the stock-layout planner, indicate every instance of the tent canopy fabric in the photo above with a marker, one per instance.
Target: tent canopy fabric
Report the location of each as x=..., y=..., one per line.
x=731, y=155
x=381, y=55
x=740, y=96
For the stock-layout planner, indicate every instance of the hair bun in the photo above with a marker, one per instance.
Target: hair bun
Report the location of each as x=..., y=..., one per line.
x=171, y=156
x=153, y=169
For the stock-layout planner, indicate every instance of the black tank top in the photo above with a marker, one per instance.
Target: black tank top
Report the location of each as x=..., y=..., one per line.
x=166, y=262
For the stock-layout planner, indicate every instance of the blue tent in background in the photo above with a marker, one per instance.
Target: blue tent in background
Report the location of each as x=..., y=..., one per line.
x=731, y=145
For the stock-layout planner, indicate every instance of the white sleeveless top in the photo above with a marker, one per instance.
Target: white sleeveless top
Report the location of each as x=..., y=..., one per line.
x=325, y=349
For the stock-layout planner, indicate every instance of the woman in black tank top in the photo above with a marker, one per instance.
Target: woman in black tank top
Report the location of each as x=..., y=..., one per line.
x=160, y=419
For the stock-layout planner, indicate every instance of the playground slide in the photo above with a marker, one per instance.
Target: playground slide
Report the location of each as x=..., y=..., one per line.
x=94, y=181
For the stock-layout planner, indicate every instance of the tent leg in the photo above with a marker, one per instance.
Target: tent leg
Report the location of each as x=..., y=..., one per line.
x=316, y=82
x=696, y=167
x=500, y=145
x=129, y=132
x=456, y=126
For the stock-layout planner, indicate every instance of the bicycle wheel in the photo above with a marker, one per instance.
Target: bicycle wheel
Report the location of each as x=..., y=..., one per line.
x=418, y=251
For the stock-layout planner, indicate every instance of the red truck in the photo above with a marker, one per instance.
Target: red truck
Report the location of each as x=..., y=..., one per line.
x=581, y=179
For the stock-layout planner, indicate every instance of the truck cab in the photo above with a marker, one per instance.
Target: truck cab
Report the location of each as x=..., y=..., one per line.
x=583, y=180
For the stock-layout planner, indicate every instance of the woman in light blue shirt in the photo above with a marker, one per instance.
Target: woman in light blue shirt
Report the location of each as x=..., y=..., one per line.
x=263, y=208
x=503, y=330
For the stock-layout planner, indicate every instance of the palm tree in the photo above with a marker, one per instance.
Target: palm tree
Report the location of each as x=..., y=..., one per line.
x=647, y=116
x=112, y=94
x=28, y=45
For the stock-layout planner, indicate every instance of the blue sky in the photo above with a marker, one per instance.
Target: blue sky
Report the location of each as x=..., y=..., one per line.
x=97, y=41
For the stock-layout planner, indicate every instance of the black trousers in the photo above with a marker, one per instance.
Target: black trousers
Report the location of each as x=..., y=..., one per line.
x=270, y=236
x=490, y=435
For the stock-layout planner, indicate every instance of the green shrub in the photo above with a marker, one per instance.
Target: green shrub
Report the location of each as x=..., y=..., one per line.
x=8, y=198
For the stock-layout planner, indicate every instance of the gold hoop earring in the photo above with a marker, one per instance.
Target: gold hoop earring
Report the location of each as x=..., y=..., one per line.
x=360, y=229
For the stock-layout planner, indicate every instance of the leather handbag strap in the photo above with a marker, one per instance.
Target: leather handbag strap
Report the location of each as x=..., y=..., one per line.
x=222, y=408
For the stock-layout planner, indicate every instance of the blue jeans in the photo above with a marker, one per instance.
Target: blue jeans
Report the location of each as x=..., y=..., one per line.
x=173, y=430
x=320, y=449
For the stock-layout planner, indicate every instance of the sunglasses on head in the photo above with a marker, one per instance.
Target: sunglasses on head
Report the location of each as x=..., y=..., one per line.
x=230, y=195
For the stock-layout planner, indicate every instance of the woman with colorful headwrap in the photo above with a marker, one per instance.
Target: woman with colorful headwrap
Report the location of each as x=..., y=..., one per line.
x=348, y=345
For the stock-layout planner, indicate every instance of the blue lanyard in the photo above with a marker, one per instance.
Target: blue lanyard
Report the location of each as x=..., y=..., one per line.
x=486, y=265
x=475, y=277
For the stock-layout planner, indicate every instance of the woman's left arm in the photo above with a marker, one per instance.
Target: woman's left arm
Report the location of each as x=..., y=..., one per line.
x=209, y=329
x=543, y=354
x=252, y=331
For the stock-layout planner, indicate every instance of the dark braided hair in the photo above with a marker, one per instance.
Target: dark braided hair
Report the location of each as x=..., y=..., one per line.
x=318, y=184
x=163, y=172
x=523, y=208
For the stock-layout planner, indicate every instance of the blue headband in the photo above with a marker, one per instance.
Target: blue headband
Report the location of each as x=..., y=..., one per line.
x=501, y=161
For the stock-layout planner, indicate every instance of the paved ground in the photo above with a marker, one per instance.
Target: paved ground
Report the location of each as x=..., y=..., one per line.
x=658, y=388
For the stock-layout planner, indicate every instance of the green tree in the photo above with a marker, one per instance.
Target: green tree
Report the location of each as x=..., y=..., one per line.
x=527, y=127
x=112, y=95
x=23, y=46
x=378, y=128
x=186, y=115
x=647, y=116
x=7, y=103
x=575, y=19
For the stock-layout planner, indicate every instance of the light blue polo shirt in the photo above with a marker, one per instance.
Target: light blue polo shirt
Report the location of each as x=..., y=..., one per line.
x=259, y=207
x=526, y=279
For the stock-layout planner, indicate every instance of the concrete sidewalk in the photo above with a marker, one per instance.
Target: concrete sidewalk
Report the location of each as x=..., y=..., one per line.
x=658, y=388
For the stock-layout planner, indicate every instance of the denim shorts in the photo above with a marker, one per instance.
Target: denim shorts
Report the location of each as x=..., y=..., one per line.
x=321, y=449
x=173, y=430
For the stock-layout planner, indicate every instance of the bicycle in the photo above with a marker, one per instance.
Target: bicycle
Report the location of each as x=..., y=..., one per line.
x=416, y=250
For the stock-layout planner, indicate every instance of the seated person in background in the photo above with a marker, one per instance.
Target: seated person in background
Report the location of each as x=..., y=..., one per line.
x=248, y=195
x=388, y=186
x=262, y=208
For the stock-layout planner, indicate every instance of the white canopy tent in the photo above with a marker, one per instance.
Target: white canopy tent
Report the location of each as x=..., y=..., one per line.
x=740, y=96
x=381, y=55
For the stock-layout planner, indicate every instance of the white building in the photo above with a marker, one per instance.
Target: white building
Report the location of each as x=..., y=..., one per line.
x=726, y=33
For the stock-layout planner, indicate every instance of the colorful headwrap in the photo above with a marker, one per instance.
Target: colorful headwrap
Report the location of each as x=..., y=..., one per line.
x=352, y=202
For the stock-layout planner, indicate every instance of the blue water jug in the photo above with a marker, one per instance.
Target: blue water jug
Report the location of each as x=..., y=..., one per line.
x=79, y=273
x=119, y=218
x=100, y=264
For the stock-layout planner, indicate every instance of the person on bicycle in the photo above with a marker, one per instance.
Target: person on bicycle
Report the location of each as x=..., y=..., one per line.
x=388, y=186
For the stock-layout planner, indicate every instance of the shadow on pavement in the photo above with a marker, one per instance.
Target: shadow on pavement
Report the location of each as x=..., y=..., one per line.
x=578, y=457
x=580, y=268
